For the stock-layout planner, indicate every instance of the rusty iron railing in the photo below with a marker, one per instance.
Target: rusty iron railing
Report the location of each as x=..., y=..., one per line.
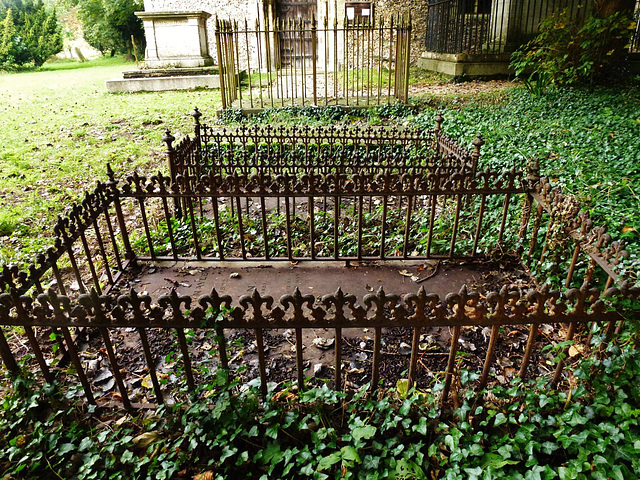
x=299, y=63
x=70, y=285
x=482, y=27
x=278, y=149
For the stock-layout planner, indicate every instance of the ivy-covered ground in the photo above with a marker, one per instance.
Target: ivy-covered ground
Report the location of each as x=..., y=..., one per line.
x=56, y=142
x=586, y=140
x=520, y=431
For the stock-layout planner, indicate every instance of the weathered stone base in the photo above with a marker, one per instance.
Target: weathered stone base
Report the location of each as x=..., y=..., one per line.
x=179, y=62
x=169, y=72
x=464, y=64
x=159, y=84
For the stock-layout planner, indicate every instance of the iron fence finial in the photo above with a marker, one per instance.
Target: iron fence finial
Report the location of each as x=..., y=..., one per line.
x=196, y=114
x=168, y=139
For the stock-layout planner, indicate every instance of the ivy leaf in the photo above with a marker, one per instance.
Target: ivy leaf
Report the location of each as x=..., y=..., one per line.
x=326, y=462
x=350, y=453
x=500, y=419
x=421, y=428
x=65, y=448
x=363, y=433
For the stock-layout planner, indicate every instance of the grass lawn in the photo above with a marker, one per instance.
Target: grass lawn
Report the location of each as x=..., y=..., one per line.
x=60, y=127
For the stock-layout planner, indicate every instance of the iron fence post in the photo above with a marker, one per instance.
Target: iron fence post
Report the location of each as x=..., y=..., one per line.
x=171, y=155
x=477, y=143
x=314, y=46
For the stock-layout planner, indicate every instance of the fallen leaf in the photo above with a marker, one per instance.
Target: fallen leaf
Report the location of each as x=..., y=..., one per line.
x=404, y=349
x=146, y=382
x=405, y=273
x=575, y=350
x=143, y=440
x=627, y=229
x=208, y=475
x=323, y=343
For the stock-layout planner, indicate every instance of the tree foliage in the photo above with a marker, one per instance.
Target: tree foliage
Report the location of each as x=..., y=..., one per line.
x=29, y=33
x=110, y=24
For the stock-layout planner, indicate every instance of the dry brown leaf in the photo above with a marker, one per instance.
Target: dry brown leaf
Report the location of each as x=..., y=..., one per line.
x=143, y=440
x=208, y=475
x=575, y=350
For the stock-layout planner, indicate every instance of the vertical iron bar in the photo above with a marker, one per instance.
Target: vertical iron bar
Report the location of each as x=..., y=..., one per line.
x=505, y=211
x=7, y=357
x=375, y=369
x=383, y=227
x=413, y=363
x=241, y=228
x=338, y=359
x=299, y=359
x=456, y=221
x=483, y=199
x=216, y=219
x=488, y=359
x=144, y=340
x=194, y=229
x=360, y=200
x=434, y=201
x=167, y=218
x=407, y=228
x=103, y=252
x=92, y=268
x=112, y=236
x=451, y=364
x=288, y=222
x=182, y=341
x=312, y=227
x=265, y=233
x=78, y=365
x=261, y=362
x=115, y=368
x=533, y=333
x=145, y=223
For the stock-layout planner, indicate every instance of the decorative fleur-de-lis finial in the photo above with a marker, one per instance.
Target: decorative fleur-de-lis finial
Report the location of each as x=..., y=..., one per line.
x=256, y=301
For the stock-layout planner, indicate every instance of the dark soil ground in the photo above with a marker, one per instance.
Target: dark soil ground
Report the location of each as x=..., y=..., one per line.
x=318, y=350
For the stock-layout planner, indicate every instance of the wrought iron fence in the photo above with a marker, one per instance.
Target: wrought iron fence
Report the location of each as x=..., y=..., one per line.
x=76, y=282
x=298, y=63
x=277, y=149
x=482, y=27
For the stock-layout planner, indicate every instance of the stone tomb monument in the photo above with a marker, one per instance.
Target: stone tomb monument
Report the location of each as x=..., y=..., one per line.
x=177, y=55
x=176, y=39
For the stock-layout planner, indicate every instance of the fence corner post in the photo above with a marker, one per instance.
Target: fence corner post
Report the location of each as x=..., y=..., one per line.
x=533, y=173
x=196, y=114
x=477, y=143
x=171, y=156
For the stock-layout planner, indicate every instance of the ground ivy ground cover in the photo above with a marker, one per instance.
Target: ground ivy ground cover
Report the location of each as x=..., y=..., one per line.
x=519, y=431
x=587, y=140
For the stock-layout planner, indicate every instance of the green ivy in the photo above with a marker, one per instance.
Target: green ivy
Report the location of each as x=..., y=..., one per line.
x=522, y=430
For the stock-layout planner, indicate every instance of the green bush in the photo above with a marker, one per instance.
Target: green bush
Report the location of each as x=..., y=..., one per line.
x=567, y=52
x=29, y=33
